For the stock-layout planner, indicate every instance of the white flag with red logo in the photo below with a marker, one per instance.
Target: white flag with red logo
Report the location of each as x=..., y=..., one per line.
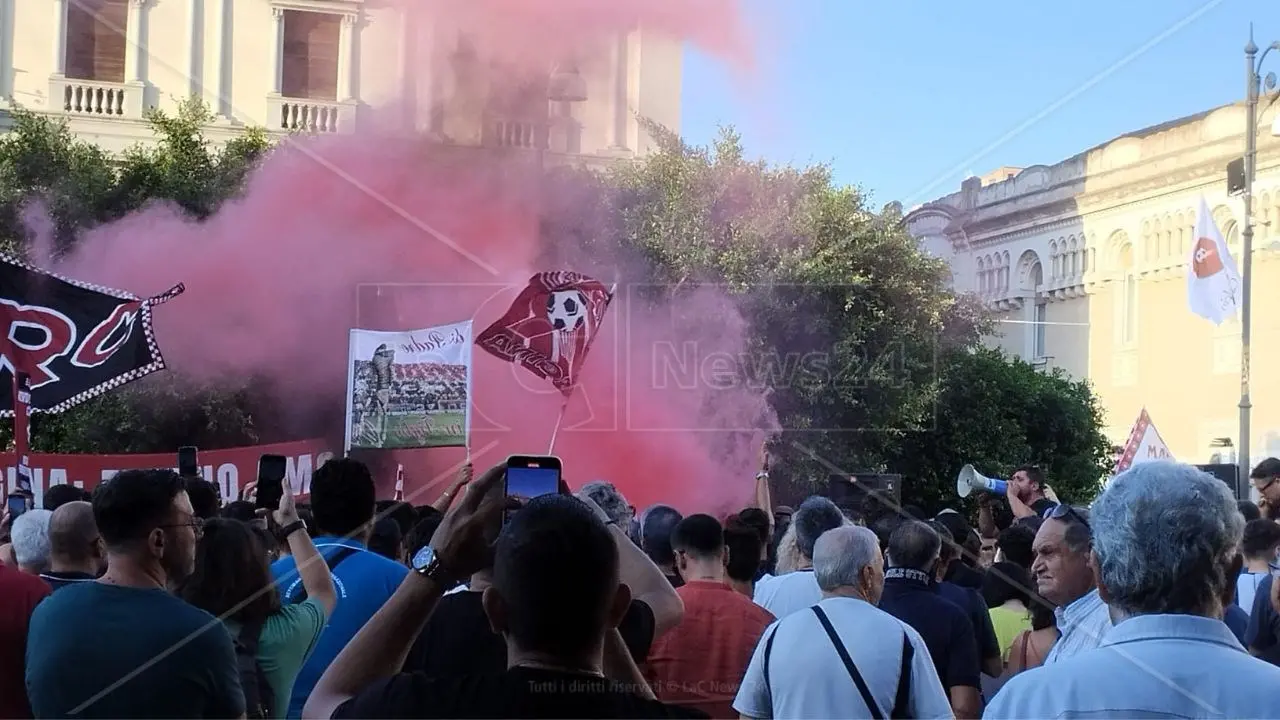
x=1144, y=445
x=1213, y=283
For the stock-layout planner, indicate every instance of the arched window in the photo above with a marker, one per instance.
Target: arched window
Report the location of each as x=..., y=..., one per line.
x=1127, y=322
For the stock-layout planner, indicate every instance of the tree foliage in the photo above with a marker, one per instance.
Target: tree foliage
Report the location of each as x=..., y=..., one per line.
x=44, y=167
x=871, y=361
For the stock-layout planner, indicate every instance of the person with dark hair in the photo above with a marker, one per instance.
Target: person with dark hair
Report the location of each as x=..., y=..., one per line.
x=745, y=546
x=1027, y=492
x=342, y=505
x=556, y=599
x=58, y=495
x=458, y=639
x=968, y=600
x=1014, y=546
x=701, y=665
x=1031, y=647
x=1004, y=589
x=784, y=594
x=231, y=576
x=76, y=553
x=1265, y=479
x=402, y=513
x=911, y=595
x=963, y=571
x=1249, y=510
x=92, y=646
x=884, y=527
x=204, y=496
x=420, y=536
x=655, y=539
x=241, y=510
x=759, y=520
x=1260, y=545
x=386, y=539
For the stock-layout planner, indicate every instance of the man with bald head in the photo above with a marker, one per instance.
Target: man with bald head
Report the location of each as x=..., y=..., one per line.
x=75, y=547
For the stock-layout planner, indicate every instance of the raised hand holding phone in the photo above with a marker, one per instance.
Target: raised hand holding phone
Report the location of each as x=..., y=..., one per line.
x=285, y=512
x=459, y=542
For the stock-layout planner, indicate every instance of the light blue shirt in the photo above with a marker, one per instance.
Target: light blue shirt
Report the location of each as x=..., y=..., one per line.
x=1083, y=624
x=1169, y=666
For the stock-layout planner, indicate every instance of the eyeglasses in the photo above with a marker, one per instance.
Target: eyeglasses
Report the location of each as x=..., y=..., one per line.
x=1067, y=513
x=196, y=524
x=1262, y=487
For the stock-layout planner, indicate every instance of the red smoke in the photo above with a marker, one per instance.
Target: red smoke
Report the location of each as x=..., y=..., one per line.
x=272, y=280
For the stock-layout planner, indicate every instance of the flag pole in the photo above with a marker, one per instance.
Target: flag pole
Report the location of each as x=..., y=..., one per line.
x=21, y=430
x=555, y=430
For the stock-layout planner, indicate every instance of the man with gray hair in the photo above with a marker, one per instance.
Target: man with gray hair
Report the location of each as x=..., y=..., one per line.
x=844, y=657
x=1163, y=537
x=76, y=551
x=609, y=499
x=30, y=538
x=787, y=593
x=1064, y=577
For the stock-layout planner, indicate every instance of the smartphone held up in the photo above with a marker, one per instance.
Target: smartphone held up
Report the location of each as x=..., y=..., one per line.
x=270, y=488
x=531, y=476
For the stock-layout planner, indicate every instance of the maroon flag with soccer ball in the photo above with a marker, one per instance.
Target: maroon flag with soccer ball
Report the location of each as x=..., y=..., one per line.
x=549, y=327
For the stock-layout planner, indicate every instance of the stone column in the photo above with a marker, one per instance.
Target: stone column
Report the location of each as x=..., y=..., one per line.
x=215, y=81
x=59, y=37
x=347, y=39
x=195, y=47
x=277, y=52
x=135, y=52
x=621, y=86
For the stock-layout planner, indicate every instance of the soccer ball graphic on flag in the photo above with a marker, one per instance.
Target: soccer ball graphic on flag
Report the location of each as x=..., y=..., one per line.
x=566, y=310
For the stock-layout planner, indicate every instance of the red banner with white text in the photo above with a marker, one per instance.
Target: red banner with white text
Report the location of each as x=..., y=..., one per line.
x=230, y=468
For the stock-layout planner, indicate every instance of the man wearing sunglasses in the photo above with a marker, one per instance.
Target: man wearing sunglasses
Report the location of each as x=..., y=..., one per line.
x=1065, y=578
x=1265, y=478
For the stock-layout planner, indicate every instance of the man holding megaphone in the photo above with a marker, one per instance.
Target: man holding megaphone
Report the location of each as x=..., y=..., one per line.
x=1028, y=494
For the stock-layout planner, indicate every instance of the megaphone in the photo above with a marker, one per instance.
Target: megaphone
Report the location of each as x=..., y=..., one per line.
x=970, y=479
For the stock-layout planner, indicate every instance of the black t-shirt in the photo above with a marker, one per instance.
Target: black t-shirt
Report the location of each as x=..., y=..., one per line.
x=913, y=598
x=1042, y=506
x=515, y=693
x=459, y=641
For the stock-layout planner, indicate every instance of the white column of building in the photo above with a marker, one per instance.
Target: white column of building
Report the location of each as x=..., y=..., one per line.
x=346, y=58
x=214, y=91
x=7, y=38
x=195, y=28
x=135, y=53
x=59, y=37
x=621, y=85
x=277, y=56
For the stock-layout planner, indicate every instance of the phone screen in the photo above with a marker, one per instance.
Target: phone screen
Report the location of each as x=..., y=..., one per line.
x=188, y=462
x=17, y=506
x=24, y=484
x=271, y=469
x=530, y=477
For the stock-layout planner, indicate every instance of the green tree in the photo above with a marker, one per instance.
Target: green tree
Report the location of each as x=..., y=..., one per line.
x=80, y=186
x=997, y=413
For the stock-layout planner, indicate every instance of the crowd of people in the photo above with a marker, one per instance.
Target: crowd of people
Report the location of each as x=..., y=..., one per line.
x=151, y=598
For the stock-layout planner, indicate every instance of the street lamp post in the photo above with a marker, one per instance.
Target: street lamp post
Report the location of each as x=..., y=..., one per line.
x=1253, y=89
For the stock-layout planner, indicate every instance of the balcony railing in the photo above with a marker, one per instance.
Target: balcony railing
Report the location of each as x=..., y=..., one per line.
x=311, y=116
x=515, y=133
x=96, y=99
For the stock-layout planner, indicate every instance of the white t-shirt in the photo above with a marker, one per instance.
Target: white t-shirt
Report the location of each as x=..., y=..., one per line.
x=785, y=594
x=807, y=679
x=1246, y=588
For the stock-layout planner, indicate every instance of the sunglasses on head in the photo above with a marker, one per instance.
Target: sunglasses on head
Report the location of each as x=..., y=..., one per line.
x=1067, y=513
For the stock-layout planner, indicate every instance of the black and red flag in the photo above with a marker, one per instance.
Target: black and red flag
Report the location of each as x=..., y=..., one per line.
x=73, y=340
x=550, y=326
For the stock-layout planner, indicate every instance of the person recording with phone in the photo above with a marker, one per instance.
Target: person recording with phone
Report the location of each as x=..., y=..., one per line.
x=556, y=599
x=231, y=573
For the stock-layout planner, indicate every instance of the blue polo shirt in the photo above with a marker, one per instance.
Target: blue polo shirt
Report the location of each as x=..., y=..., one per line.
x=912, y=597
x=364, y=581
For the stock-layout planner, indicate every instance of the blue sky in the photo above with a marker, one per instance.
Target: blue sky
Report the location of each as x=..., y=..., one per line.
x=907, y=97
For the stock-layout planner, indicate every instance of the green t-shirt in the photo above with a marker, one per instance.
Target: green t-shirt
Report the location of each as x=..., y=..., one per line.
x=1008, y=623
x=287, y=639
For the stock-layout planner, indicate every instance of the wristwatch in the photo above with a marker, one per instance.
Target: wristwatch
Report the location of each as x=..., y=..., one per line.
x=427, y=564
x=293, y=527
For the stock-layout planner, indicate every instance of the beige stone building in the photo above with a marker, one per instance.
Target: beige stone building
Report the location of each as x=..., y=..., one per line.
x=1084, y=263
x=319, y=65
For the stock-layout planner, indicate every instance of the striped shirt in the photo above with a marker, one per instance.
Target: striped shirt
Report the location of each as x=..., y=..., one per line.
x=1083, y=624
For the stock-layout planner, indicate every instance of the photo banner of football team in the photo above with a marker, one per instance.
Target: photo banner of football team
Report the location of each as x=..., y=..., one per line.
x=409, y=389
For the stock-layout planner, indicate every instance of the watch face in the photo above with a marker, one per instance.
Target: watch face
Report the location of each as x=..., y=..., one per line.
x=423, y=558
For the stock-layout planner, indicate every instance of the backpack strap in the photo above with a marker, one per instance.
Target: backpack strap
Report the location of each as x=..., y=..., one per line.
x=768, y=652
x=902, y=701
x=258, y=697
x=333, y=561
x=861, y=684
